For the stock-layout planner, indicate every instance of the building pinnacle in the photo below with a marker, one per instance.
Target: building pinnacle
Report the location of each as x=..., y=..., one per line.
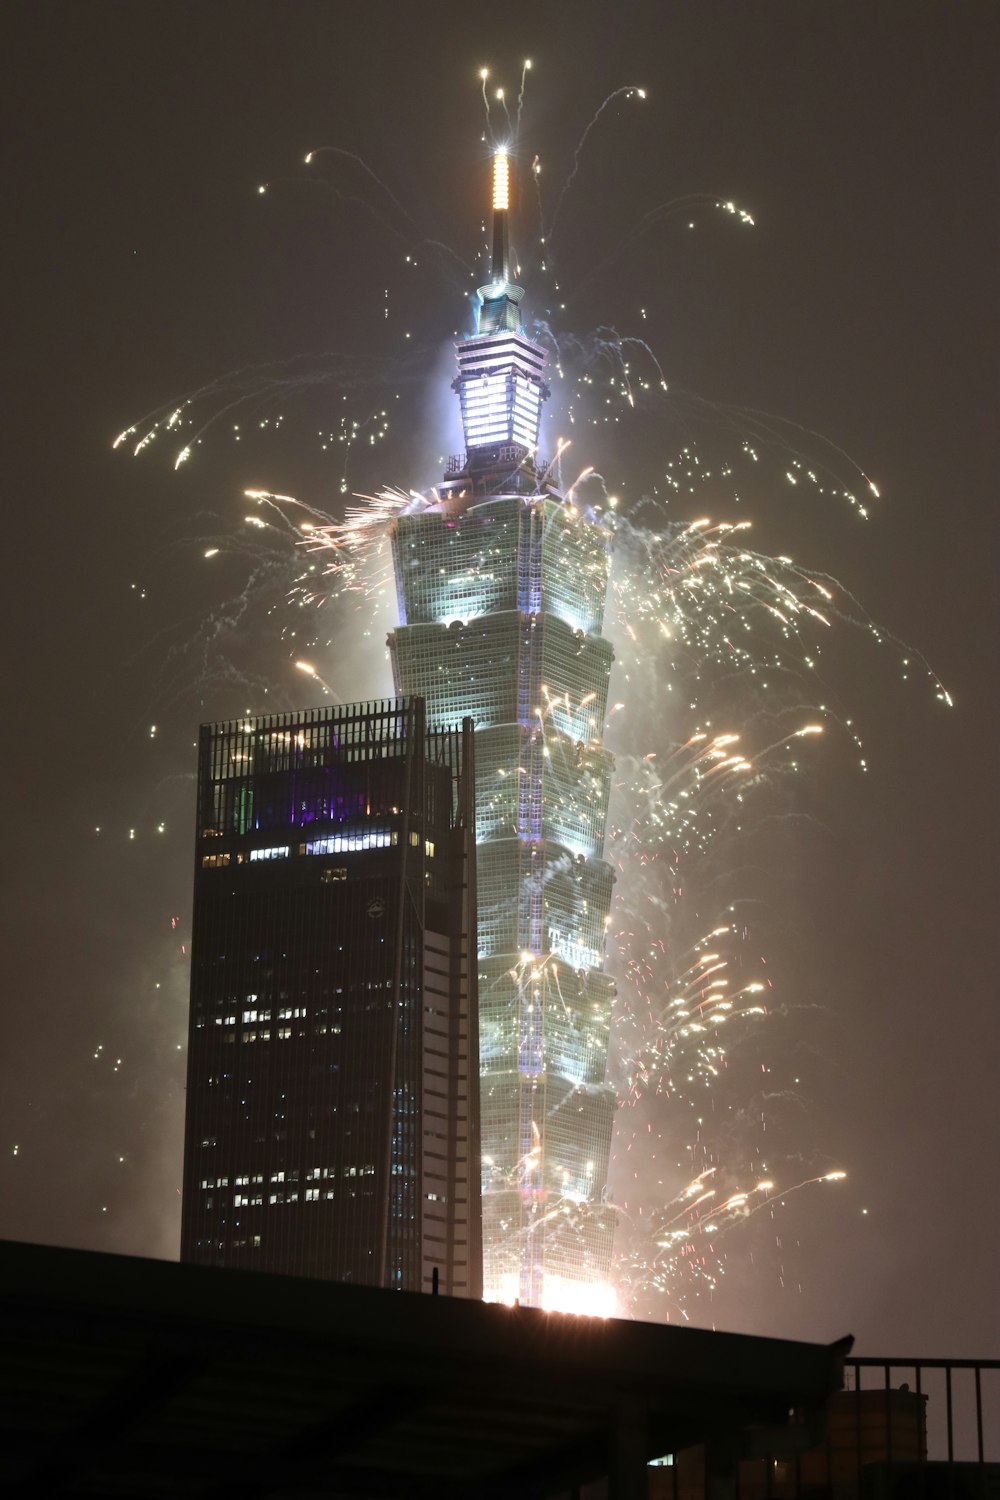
x=499, y=298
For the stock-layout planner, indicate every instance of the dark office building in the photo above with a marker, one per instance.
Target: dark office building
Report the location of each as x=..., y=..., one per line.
x=333, y=1088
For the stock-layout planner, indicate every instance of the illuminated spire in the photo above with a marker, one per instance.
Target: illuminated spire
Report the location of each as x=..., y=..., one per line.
x=501, y=203
x=500, y=298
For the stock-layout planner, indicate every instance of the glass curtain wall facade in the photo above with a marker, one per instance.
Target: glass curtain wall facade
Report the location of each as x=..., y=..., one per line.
x=501, y=586
x=332, y=1102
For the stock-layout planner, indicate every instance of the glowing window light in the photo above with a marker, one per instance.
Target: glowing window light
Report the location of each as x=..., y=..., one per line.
x=501, y=180
x=496, y=409
x=351, y=843
x=279, y=852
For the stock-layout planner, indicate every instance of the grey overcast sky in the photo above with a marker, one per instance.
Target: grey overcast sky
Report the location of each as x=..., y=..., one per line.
x=141, y=264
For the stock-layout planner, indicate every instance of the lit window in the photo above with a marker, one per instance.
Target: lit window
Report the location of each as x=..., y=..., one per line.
x=350, y=843
x=213, y=861
x=280, y=851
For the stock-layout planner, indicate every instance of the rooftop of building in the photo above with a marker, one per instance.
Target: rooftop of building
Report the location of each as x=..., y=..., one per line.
x=147, y=1378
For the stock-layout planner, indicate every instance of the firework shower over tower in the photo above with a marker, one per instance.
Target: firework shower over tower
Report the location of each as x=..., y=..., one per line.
x=501, y=584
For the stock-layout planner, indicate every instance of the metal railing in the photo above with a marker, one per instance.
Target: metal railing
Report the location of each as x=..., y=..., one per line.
x=958, y=1401
x=512, y=454
x=901, y=1429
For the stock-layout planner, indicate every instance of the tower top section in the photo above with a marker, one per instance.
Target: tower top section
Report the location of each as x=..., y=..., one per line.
x=499, y=299
x=500, y=380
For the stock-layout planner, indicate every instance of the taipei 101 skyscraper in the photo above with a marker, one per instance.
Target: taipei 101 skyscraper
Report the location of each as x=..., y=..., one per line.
x=501, y=582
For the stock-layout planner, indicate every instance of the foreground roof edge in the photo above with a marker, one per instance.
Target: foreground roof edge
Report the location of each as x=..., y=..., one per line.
x=40, y=1281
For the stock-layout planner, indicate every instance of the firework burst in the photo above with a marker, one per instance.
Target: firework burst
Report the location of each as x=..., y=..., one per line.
x=724, y=658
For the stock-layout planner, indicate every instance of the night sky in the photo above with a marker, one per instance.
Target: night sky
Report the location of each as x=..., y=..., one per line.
x=141, y=263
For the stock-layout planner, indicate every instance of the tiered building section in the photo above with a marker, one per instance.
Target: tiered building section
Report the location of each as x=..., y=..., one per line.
x=501, y=585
